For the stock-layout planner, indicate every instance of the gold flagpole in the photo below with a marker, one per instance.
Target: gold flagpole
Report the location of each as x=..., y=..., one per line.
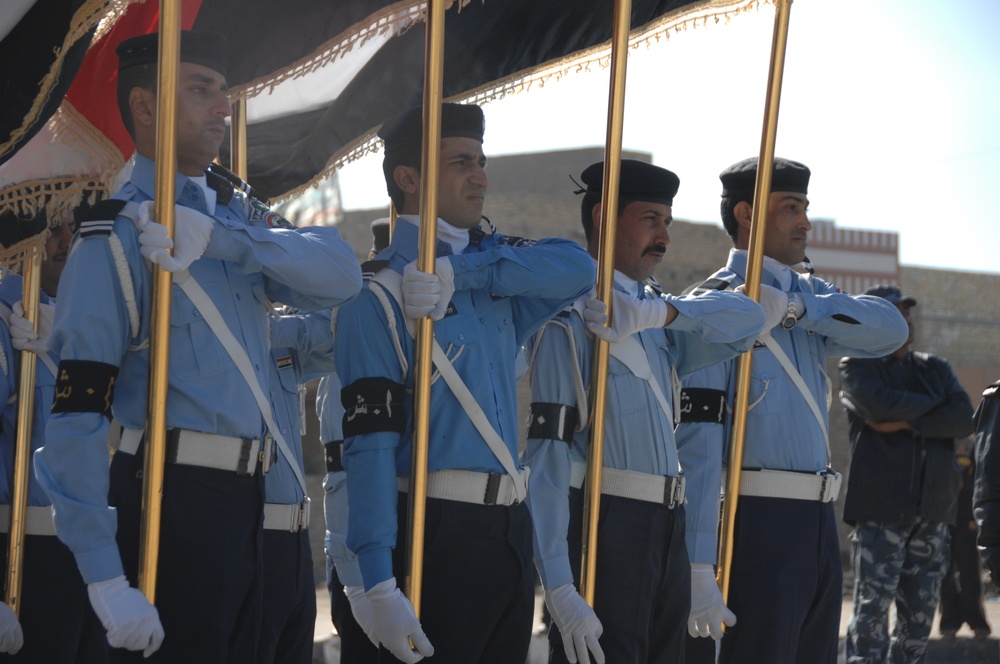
x=22, y=445
x=238, y=138
x=431, y=157
x=159, y=337
x=755, y=262
x=605, y=283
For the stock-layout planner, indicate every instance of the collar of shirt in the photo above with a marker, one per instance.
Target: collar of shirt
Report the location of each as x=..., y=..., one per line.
x=406, y=238
x=781, y=275
x=629, y=285
x=186, y=192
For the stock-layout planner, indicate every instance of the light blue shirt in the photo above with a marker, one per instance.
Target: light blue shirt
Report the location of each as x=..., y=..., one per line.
x=302, y=351
x=638, y=435
x=11, y=292
x=782, y=432
x=246, y=263
x=502, y=295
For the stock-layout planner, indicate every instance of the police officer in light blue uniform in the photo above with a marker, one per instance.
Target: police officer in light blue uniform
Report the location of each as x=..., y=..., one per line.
x=58, y=624
x=239, y=255
x=642, y=588
x=342, y=568
x=786, y=584
x=302, y=350
x=488, y=295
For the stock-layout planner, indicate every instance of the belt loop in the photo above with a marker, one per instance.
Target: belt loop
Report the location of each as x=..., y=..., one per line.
x=173, y=444
x=492, y=489
x=243, y=466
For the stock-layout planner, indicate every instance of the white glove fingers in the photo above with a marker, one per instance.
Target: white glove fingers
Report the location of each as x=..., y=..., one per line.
x=569, y=645
x=595, y=647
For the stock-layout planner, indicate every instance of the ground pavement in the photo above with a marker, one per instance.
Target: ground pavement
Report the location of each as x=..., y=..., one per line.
x=962, y=650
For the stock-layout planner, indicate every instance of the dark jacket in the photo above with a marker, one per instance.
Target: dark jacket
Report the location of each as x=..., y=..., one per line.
x=899, y=476
x=986, y=495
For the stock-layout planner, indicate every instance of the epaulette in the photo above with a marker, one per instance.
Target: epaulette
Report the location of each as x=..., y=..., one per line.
x=655, y=286
x=100, y=219
x=565, y=313
x=708, y=285
x=476, y=236
x=370, y=268
x=992, y=390
x=222, y=187
x=512, y=240
x=236, y=182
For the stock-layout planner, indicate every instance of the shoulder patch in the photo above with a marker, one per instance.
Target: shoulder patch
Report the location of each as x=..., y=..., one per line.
x=370, y=268
x=100, y=219
x=512, y=241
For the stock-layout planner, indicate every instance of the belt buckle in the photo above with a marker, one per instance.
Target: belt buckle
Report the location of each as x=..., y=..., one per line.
x=826, y=487
x=673, y=491
x=492, y=489
x=267, y=456
x=302, y=516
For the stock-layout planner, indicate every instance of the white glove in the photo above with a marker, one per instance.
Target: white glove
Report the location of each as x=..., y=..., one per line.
x=192, y=232
x=132, y=622
x=361, y=607
x=577, y=622
x=11, y=636
x=428, y=294
x=396, y=624
x=630, y=315
x=23, y=337
x=774, y=302
x=708, y=611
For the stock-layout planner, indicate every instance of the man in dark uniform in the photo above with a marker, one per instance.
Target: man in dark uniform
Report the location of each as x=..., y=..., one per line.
x=986, y=493
x=229, y=256
x=904, y=412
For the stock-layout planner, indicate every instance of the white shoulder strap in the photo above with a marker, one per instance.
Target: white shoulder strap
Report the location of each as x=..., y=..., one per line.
x=238, y=354
x=800, y=383
x=390, y=283
x=629, y=351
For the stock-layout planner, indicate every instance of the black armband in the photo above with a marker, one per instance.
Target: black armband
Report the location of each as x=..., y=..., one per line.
x=373, y=405
x=700, y=404
x=553, y=420
x=334, y=450
x=83, y=386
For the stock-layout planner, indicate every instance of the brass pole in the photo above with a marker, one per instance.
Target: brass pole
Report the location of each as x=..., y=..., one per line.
x=755, y=261
x=159, y=334
x=605, y=284
x=431, y=157
x=22, y=445
x=238, y=138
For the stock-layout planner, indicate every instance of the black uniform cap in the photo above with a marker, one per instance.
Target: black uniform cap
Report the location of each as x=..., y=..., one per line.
x=208, y=49
x=740, y=178
x=405, y=131
x=891, y=293
x=639, y=181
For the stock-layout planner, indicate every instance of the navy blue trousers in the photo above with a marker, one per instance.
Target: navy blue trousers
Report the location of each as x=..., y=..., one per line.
x=787, y=582
x=643, y=592
x=289, y=616
x=209, y=584
x=478, y=588
x=59, y=625
x=355, y=646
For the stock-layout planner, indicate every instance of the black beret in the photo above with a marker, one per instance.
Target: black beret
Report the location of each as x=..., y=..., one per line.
x=405, y=131
x=639, y=181
x=891, y=293
x=740, y=178
x=208, y=49
x=16, y=227
x=380, y=234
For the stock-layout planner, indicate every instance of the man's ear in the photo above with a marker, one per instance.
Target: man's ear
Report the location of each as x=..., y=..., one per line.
x=743, y=211
x=595, y=216
x=142, y=102
x=407, y=179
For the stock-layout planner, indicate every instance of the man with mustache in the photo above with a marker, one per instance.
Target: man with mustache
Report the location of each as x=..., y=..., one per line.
x=488, y=294
x=786, y=584
x=59, y=626
x=230, y=256
x=643, y=577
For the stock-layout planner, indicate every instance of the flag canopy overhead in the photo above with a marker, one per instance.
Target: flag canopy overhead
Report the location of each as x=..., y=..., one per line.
x=321, y=77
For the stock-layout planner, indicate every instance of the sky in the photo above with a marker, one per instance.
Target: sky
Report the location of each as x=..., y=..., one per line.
x=893, y=104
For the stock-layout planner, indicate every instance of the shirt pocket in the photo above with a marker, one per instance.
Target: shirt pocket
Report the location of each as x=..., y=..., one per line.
x=194, y=349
